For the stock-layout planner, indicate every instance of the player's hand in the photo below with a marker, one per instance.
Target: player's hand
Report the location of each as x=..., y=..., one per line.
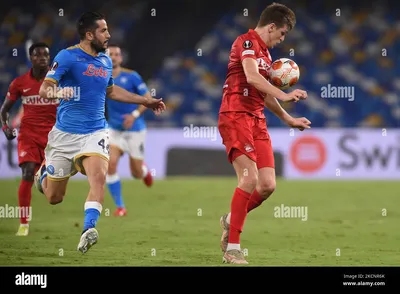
x=16, y=122
x=65, y=93
x=157, y=105
x=129, y=119
x=9, y=132
x=300, y=123
x=295, y=96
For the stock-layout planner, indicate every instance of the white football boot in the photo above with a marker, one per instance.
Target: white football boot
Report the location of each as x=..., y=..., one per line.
x=88, y=239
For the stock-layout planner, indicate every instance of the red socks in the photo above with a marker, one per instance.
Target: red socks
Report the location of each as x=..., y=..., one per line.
x=255, y=201
x=239, y=204
x=24, y=199
x=242, y=203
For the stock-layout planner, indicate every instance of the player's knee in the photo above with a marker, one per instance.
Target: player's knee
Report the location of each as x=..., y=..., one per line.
x=99, y=178
x=54, y=197
x=56, y=200
x=266, y=188
x=136, y=166
x=28, y=174
x=248, y=181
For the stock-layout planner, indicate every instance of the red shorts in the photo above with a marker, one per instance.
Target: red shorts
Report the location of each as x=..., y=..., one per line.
x=243, y=133
x=31, y=148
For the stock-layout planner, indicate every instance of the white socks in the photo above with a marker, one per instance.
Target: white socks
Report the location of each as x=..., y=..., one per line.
x=111, y=179
x=145, y=170
x=232, y=246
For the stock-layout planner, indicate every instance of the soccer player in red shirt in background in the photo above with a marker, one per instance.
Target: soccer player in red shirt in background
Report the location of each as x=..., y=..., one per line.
x=242, y=123
x=39, y=116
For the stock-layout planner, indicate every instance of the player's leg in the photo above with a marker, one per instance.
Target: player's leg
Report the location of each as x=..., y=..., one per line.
x=29, y=158
x=93, y=161
x=266, y=174
x=24, y=196
x=52, y=177
x=236, y=132
x=114, y=182
x=95, y=168
x=139, y=169
x=117, y=147
x=54, y=188
x=246, y=171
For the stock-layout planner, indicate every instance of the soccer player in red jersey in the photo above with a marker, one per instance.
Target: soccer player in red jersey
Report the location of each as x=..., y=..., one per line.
x=242, y=123
x=38, y=118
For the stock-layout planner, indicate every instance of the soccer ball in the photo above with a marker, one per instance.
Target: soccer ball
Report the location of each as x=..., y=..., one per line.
x=284, y=73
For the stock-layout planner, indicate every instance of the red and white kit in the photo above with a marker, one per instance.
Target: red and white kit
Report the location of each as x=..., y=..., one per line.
x=38, y=118
x=242, y=123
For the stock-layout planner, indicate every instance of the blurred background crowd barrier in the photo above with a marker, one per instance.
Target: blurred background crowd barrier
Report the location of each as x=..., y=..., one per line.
x=181, y=49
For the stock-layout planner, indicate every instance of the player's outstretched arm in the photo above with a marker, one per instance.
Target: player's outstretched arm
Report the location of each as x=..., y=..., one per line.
x=120, y=94
x=273, y=105
x=4, y=115
x=255, y=79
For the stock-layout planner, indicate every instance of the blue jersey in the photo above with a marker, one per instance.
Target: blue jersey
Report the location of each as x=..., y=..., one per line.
x=132, y=82
x=89, y=76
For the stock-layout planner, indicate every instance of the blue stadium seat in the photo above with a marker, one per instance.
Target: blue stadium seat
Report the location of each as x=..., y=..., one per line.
x=309, y=39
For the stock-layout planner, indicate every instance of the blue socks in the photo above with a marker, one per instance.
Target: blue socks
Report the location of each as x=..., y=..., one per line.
x=114, y=187
x=92, y=212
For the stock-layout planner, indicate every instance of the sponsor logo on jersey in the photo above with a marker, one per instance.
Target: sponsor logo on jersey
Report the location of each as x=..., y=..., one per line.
x=262, y=64
x=37, y=100
x=93, y=71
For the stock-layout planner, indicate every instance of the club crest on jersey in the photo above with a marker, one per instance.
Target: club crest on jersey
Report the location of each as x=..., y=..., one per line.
x=96, y=72
x=247, y=44
x=262, y=64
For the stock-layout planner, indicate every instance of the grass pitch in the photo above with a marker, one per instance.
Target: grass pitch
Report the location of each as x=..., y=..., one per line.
x=176, y=223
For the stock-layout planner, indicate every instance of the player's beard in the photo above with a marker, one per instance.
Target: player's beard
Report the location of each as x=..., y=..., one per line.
x=98, y=46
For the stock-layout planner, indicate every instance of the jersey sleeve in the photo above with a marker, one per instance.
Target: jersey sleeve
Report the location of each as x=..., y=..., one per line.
x=139, y=85
x=110, y=81
x=13, y=92
x=247, y=48
x=60, y=66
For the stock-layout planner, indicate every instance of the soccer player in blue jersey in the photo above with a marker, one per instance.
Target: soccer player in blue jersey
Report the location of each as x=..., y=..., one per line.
x=81, y=76
x=127, y=129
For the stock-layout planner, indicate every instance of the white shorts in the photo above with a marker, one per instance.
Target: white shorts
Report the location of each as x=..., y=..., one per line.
x=131, y=143
x=64, y=151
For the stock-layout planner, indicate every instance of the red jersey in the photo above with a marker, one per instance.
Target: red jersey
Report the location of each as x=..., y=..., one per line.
x=238, y=95
x=39, y=114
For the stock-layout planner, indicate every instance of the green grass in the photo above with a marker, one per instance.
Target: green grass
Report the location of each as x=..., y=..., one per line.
x=176, y=222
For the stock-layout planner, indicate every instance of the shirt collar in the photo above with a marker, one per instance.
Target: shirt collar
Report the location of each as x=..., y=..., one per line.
x=257, y=36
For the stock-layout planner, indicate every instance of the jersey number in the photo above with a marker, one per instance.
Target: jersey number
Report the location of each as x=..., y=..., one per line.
x=106, y=149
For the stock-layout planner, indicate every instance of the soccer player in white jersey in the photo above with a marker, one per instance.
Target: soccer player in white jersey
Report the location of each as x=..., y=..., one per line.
x=127, y=129
x=79, y=142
